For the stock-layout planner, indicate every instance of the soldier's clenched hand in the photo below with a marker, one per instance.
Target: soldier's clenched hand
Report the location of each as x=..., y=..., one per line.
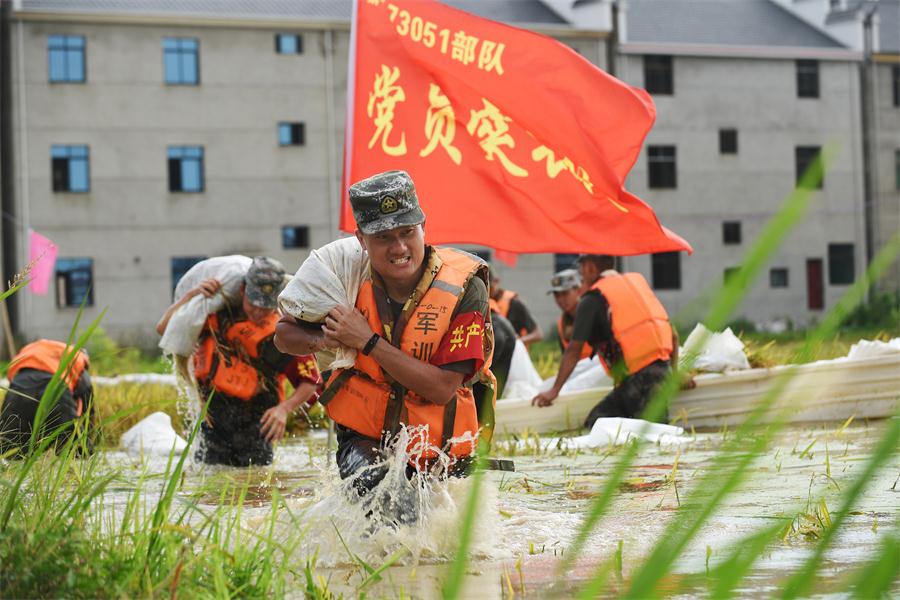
x=347, y=326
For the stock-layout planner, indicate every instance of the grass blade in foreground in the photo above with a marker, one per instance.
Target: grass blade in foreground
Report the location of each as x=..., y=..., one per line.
x=726, y=300
x=453, y=583
x=682, y=530
x=799, y=584
x=874, y=580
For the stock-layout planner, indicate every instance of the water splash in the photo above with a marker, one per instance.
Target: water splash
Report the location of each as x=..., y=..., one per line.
x=410, y=509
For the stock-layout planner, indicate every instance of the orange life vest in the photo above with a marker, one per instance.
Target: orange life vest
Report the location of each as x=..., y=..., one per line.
x=366, y=400
x=501, y=306
x=586, y=350
x=638, y=320
x=46, y=355
x=224, y=362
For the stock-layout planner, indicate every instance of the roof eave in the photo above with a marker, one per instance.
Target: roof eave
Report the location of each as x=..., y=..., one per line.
x=734, y=51
x=254, y=22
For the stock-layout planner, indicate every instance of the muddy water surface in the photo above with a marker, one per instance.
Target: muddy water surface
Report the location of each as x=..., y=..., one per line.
x=528, y=519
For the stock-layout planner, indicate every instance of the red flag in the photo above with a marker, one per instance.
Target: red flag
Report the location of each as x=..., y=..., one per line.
x=513, y=140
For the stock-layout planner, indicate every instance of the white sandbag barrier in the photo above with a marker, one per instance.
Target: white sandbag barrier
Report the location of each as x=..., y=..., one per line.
x=523, y=378
x=714, y=352
x=615, y=431
x=153, y=435
x=330, y=276
x=141, y=378
x=871, y=349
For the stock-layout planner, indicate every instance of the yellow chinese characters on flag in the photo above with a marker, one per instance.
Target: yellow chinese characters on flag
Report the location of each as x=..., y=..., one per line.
x=514, y=141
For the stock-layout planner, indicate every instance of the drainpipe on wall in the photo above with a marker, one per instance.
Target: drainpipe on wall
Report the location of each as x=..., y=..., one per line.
x=9, y=227
x=868, y=135
x=330, y=132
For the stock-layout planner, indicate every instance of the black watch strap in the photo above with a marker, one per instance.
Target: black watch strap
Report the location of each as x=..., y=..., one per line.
x=370, y=345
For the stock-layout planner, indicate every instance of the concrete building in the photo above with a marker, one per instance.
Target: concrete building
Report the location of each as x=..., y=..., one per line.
x=871, y=27
x=746, y=92
x=141, y=136
x=148, y=135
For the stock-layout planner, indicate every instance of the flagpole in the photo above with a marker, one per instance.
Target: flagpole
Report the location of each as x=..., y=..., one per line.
x=348, y=127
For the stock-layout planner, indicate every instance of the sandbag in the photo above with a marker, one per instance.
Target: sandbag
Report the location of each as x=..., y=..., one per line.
x=714, y=352
x=588, y=373
x=330, y=276
x=183, y=330
x=153, y=435
x=873, y=348
x=523, y=379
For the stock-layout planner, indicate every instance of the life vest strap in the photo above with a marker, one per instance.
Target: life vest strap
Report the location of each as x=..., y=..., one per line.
x=394, y=409
x=336, y=384
x=449, y=422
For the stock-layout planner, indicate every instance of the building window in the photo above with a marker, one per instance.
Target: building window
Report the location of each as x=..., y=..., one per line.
x=728, y=142
x=731, y=232
x=295, y=236
x=896, y=84
x=288, y=43
x=291, y=134
x=807, y=79
x=658, y=79
x=897, y=170
x=666, y=271
x=181, y=61
x=70, y=168
x=778, y=277
x=562, y=262
x=840, y=264
x=185, y=168
x=661, y=166
x=65, y=57
x=181, y=265
x=74, y=282
x=804, y=158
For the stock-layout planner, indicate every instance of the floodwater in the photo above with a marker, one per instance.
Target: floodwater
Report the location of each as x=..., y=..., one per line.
x=528, y=519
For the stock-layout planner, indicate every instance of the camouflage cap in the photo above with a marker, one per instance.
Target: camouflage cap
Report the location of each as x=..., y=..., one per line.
x=566, y=279
x=264, y=281
x=385, y=201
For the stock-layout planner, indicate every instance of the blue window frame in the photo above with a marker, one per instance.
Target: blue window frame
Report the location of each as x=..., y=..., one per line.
x=65, y=58
x=70, y=167
x=185, y=168
x=181, y=265
x=74, y=282
x=181, y=61
x=291, y=134
x=561, y=262
x=295, y=236
x=288, y=43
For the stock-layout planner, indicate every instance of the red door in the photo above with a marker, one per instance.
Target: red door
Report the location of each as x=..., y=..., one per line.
x=815, y=286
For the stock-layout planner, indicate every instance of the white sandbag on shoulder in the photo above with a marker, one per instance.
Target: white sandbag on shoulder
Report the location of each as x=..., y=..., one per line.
x=523, y=380
x=330, y=276
x=153, y=435
x=715, y=352
x=183, y=330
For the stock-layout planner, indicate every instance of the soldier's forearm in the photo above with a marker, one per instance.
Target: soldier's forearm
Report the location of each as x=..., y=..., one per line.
x=293, y=338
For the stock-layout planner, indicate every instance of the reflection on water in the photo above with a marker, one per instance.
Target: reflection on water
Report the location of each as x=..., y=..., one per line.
x=527, y=519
